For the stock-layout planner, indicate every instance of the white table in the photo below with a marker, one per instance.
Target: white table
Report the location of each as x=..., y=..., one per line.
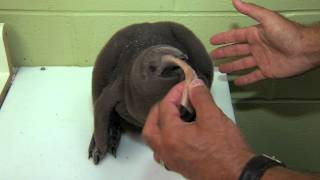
x=46, y=123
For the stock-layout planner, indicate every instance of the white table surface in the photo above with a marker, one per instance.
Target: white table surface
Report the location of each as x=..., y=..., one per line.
x=46, y=124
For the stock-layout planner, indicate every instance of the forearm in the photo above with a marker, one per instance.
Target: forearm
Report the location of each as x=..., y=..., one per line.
x=279, y=173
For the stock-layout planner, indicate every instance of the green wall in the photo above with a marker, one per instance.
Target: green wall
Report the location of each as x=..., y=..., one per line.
x=279, y=117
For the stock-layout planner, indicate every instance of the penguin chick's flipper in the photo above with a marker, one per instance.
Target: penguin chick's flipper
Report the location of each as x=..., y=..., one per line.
x=105, y=132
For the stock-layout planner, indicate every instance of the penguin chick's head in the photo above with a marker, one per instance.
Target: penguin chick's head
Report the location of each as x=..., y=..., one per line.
x=151, y=78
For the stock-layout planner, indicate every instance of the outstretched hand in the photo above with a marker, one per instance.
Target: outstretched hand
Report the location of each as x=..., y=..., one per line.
x=276, y=47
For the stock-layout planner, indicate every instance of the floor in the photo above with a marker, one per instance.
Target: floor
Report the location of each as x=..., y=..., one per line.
x=46, y=124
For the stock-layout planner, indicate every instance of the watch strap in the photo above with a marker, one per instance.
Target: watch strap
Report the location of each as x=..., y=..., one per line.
x=256, y=167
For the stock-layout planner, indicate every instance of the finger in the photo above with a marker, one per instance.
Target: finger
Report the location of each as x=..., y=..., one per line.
x=243, y=63
x=233, y=36
x=169, y=107
x=249, y=78
x=151, y=131
x=201, y=99
x=231, y=50
x=258, y=13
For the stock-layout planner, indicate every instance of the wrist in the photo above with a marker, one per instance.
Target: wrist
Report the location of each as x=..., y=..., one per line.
x=240, y=164
x=232, y=166
x=273, y=173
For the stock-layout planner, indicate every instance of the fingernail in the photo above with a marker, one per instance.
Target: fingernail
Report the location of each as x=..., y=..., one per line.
x=196, y=83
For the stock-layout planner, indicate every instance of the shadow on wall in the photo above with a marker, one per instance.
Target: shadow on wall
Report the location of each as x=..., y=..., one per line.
x=286, y=110
x=15, y=42
x=288, y=130
x=302, y=88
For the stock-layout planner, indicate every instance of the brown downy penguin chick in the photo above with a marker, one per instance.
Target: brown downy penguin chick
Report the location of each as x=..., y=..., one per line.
x=131, y=74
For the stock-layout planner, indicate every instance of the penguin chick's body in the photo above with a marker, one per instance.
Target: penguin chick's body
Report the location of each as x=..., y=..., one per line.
x=129, y=77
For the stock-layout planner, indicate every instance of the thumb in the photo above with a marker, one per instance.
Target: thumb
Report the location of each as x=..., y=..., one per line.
x=201, y=99
x=258, y=13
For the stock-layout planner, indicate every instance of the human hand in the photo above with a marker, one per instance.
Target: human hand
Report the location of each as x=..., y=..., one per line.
x=212, y=146
x=277, y=47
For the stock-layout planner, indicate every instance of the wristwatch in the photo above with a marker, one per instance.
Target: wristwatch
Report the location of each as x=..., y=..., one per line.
x=257, y=166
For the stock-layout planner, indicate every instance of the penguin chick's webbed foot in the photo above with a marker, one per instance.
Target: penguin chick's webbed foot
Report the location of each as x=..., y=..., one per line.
x=114, y=136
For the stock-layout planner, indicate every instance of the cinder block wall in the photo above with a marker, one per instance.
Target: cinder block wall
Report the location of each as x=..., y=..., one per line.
x=279, y=117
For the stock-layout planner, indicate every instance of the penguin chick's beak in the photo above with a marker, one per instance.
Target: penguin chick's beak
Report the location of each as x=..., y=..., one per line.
x=189, y=74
